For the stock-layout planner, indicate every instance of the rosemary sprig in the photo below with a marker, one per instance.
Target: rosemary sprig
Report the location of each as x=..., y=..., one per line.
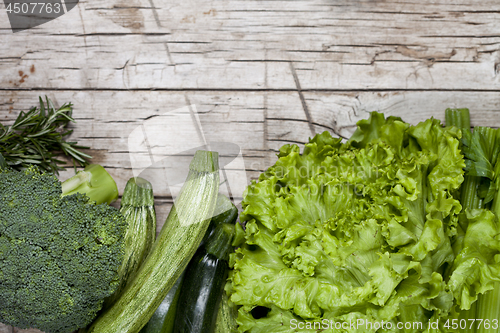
x=38, y=137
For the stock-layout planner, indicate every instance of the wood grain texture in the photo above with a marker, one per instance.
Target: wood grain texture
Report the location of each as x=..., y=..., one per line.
x=258, y=122
x=233, y=44
x=261, y=73
x=10, y=329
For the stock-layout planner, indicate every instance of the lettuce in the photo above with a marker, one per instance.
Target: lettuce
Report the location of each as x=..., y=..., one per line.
x=365, y=231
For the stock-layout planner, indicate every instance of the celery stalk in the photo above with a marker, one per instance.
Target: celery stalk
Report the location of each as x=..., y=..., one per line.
x=468, y=196
x=458, y=117
x=488, y=305
x=488, y=309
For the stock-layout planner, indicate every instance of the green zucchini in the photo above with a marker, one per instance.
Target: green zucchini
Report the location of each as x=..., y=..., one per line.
x=227, y=312
x=179, y=238
x=137, y=206
x=224, y=212
x=226, y=316
x=163, y=318
x=203, y=283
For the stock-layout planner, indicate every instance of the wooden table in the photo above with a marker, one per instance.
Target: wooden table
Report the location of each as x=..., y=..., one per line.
x=261, y=73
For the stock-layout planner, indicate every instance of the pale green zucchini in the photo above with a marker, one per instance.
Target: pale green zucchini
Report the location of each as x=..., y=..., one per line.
x=137, y=206
x=179, y=238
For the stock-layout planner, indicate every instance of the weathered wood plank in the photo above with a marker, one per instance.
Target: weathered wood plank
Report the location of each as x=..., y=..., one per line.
x=230, y=44
x=5, y=328
x=255, y=121
x=10, y=329
x=261, y=73
x=106, y=119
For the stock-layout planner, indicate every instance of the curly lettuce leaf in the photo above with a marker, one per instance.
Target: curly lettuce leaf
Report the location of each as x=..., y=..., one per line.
x=477, y=266
x=364, y=229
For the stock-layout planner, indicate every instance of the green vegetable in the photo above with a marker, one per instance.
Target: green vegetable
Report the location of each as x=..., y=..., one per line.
x=480, y=199
x=224, y=212
x=38, y=136
x=162, y=320
x=226, y=316
x=137, y=206
x=179, y=238
x=203, y=283
x=468, y=198
x=59, y=255
x=93, y=181
x=366, y=230
x=206, y=273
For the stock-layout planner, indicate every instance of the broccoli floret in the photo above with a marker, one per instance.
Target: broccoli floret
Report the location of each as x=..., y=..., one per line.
x=59, y=255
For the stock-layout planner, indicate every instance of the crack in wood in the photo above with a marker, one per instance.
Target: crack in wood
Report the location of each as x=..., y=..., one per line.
x=120, y=7
x=169, y=55
x=302, y=99
x=288, y=141
x=155, y=13
x=277, y=90
x=110, y=34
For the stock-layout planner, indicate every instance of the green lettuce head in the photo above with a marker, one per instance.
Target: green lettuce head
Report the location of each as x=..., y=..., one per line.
x=349, y=235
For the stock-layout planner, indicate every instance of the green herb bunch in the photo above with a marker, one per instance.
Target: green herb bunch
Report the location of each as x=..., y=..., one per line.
x=38, y=137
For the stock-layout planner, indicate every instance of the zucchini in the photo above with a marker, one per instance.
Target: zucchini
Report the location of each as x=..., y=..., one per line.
x=226, y=316
x=163, y=318
x=203, y=284
x=224, y=212
x=179, y=238
x=137, y=206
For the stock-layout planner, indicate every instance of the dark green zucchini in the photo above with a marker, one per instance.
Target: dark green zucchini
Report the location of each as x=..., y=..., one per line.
x=204, y=283
x=163, y=318
x=224, y=212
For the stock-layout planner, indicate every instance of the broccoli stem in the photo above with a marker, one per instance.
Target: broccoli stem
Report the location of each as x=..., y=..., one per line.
x=93, y=181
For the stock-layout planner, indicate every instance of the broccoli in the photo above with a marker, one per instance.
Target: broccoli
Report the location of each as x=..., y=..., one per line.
x=94, y=182
x=59, y=254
